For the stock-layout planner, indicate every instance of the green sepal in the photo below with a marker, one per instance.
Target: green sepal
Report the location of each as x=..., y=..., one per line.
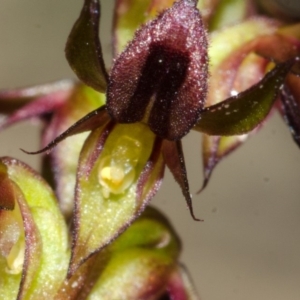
x=83, y=48
x=242, y=113
x=104, y=206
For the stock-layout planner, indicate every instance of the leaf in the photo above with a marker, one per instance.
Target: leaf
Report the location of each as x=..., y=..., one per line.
x=83, y=48
x=118, y=173
x=46, y=252
x=161, y=77
x=242, y=113
x=174, y=159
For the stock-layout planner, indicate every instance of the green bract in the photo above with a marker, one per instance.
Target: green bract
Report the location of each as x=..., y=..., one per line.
x=35, y=263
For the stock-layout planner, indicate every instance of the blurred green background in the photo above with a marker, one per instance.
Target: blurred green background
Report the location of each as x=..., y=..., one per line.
x=249, y=244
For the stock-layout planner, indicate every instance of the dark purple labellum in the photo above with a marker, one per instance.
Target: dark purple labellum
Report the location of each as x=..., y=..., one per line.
x=161, y=77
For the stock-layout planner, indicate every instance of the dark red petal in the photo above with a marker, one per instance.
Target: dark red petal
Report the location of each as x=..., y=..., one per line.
x=83, y=49
x=91, y=121
x=174, y=159
x=161, y=77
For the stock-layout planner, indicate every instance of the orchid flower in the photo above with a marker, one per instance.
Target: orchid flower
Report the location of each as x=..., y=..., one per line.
x=157, y=90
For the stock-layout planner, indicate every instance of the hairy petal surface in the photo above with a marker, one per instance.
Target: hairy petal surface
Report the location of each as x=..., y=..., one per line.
x=170, y=51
